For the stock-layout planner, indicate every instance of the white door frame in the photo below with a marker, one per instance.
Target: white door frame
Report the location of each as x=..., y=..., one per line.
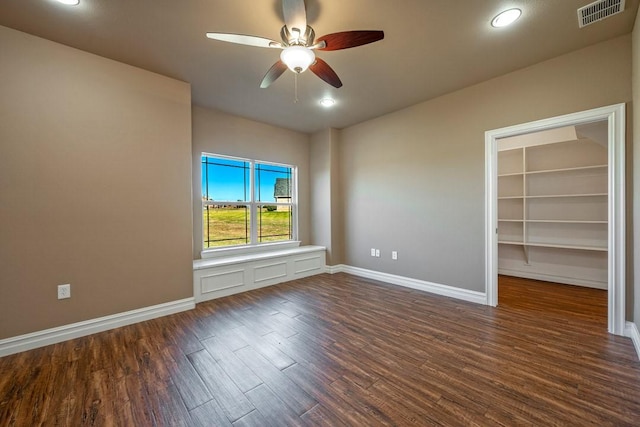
x=615, y=116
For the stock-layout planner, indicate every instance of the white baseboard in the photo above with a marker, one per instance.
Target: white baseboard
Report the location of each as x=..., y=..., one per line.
x=333, y=269
x=62, y=333
x=631, y=331
x=553, y=278
x=421, y=285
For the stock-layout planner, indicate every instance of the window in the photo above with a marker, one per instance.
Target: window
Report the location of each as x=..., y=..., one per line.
x=247, y=202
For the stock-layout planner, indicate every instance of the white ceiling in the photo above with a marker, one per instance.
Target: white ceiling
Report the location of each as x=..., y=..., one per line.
x=431, y=47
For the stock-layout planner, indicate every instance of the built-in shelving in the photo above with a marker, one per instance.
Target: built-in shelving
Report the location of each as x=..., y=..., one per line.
x=553, y=196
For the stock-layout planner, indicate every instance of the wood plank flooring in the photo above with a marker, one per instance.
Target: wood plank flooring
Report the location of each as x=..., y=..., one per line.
x=338, y=350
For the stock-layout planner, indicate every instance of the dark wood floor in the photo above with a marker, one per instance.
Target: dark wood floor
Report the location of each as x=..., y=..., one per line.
x=340, y=350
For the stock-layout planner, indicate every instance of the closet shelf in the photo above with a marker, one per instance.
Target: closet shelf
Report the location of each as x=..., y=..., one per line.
x=553, y=196
x=560, y=170
x=510, y=242
x=552, y=245
x=566, y=221
x=554, y=221
x=556, y=196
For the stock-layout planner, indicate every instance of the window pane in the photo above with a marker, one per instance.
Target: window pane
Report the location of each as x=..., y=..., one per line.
x=274, y=223
x=273, y=183
x=226, y=225
x=225, y=179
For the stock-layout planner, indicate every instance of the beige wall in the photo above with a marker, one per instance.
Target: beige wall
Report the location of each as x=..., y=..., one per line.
x=320, y=190
x=95, y=186
x=337, y=222
x=221, y=133
x=413, y=180
x=326, y=217
x=636, y=169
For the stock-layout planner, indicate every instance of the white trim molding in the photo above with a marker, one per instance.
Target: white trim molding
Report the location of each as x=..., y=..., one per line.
x=615, y=116
x=75, y=330
x=586, y=283
x=421, y=285
x=333, y=269
x=631, y=331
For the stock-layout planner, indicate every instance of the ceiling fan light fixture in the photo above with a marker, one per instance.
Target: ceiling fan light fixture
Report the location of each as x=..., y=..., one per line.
x=506, y=18
x=69, y=2
x=298, y=44
x=297, y=58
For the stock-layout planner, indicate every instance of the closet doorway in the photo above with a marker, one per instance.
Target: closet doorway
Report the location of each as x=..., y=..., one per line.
x=555, y=191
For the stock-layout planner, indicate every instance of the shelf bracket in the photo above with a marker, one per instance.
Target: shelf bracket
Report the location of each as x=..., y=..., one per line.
x=525, y=249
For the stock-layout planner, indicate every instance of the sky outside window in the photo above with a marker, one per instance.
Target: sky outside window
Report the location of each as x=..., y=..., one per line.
x=229, y=180
x=266, y=176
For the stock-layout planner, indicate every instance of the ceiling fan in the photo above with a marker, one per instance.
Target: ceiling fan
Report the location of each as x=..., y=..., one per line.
x=298, y=44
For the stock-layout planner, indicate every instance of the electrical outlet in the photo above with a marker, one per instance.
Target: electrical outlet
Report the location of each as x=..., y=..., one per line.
x=64, y=291
x=394, y=255
x=377, y=253
x=373, y=252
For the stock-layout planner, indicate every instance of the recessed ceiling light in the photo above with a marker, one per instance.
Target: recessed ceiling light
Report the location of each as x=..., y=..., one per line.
x=327, y=102
x=505, y=18
x=70, y=2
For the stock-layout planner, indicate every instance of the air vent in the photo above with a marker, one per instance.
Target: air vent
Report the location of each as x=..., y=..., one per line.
x=599, y=10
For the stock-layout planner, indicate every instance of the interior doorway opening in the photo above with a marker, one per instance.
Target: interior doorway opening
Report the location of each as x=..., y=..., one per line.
x=540, y=218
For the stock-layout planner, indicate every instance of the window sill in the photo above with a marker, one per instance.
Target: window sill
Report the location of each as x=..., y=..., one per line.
x=237, y=258
x=248, y=250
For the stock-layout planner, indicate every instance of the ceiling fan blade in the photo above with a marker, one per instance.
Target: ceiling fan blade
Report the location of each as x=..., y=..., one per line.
x=347, y=39
x=295, y=15
x=274, y=72
x=244, y=39
x=326, y=73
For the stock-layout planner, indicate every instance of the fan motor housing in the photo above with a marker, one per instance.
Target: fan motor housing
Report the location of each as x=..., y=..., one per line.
x=301, y=39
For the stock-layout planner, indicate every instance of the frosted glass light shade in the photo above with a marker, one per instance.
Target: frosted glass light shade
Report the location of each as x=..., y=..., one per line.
x=297, y=58
x=327, y=102
x=505, y=18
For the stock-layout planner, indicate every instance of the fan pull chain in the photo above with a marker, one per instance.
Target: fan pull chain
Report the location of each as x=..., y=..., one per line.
x=295, y=88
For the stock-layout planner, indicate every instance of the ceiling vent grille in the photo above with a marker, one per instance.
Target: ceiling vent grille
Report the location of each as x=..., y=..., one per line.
x=599, y=10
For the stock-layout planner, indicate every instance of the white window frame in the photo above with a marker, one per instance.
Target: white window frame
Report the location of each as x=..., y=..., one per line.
x=252, y=204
